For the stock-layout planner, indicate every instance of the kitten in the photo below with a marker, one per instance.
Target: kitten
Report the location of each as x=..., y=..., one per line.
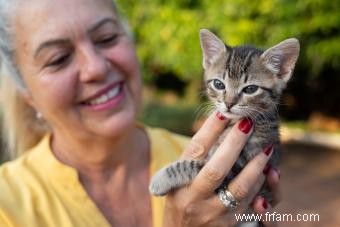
x=242, y=82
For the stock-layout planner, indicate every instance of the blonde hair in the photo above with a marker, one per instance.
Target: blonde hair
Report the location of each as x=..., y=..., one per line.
x=21, y=128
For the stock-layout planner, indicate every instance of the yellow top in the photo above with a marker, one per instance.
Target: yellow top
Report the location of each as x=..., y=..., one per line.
x=37, y=190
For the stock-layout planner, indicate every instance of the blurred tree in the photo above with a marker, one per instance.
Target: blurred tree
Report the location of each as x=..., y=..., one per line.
x=166, y=32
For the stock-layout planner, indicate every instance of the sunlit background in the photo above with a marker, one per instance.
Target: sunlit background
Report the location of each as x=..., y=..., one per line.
x=166, y=34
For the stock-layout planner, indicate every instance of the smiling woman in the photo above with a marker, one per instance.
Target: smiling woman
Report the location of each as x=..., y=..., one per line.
x=52, y=54
x=63, y=59
x=77, y=70
x=71, y=92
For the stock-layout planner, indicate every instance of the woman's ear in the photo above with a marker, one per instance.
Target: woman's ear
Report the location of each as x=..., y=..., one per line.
x=28, y=98
x=29, y=101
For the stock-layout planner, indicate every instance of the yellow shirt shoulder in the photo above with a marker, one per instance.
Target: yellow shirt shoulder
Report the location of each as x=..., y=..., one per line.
x=38, y=190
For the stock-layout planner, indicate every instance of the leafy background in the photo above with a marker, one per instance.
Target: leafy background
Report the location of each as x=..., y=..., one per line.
x=166, y=34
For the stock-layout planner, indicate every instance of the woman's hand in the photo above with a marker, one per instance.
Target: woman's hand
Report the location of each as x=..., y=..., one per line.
x=197, y=204
x=260, y=205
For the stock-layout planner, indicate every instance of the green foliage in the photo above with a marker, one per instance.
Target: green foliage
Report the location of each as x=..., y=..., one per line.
x=166, y=31
x=178, y=119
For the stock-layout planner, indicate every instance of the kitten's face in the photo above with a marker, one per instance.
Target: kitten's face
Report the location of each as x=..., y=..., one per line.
x=244, y=81
x=240, y=86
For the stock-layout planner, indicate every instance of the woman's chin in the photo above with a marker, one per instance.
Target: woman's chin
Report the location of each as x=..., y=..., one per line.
x=115, y=125
x=115, y=122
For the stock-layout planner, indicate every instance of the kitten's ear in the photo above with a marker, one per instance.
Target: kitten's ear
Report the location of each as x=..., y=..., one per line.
x=281, y=59
x=212, y=47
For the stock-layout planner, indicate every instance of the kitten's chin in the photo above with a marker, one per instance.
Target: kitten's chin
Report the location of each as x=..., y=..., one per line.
x=231, y=116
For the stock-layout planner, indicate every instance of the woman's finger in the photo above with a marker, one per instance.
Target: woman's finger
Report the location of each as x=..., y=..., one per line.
x=216, y=207
x=261, y=207
x=243, y=183
x=216, y=169
x=220, y=209
x=202, y=141
x=273, y=182
x=254, y=191
x=210, y=210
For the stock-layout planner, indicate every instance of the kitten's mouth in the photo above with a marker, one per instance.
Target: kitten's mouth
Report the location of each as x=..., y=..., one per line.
x=231, y=115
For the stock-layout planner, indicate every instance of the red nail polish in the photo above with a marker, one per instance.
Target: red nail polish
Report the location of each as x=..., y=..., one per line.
x=265, y=204
x=220, y=116
x=278, y=173
x=267, y=169
x=268, y=149
x=245, y=125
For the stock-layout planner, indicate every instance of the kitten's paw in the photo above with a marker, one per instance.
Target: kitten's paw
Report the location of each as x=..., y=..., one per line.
x=173, y=176
x=160, y=185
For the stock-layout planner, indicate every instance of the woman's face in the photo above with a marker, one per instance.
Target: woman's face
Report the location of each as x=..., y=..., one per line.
x=80, y=68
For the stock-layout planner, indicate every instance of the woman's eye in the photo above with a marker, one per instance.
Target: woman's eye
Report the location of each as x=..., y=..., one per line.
x=251, y=89
x=59, y=60
x=218, y=84
x=107, y=39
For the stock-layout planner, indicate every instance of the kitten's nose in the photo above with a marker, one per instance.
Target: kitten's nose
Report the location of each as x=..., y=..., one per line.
x=229, y=105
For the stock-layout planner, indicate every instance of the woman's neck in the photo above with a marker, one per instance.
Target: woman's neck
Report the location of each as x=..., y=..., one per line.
x=97, y=159
x=114, y=173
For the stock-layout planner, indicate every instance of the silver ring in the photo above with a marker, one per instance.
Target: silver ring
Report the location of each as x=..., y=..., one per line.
x=227, y=199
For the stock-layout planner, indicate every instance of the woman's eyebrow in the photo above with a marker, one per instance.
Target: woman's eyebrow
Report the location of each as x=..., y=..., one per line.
x=50, y=43
x=93, y=28
x=101, y=23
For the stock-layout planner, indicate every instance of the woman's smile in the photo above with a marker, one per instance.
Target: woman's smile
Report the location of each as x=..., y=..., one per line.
x=87, y=65
x=107, y=98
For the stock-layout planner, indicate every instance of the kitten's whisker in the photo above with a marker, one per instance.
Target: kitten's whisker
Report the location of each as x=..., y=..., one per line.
x=204, y=109
x=202, y=94
x=258, y=113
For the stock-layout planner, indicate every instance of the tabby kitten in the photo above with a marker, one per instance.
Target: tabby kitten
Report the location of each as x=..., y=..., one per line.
x=242, y=82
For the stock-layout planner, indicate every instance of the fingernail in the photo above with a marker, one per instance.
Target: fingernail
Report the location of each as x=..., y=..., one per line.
x=268, y=149
x=278, y=173
x=220, y=116
x=267, y=169
x=265, y=204
x=245, y=125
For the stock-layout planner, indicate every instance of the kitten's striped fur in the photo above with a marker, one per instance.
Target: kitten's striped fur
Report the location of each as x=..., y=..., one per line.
x=241, y=82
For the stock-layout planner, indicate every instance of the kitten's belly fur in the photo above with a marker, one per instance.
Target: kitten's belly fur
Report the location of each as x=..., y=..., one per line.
x=264, y=134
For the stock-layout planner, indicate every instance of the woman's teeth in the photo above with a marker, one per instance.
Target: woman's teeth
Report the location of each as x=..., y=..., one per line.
x=105, y=97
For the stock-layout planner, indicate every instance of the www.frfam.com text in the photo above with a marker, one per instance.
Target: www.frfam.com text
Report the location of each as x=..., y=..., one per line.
x=277, y=217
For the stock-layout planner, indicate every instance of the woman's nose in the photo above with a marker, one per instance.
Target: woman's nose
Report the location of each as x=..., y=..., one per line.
x=94, y=65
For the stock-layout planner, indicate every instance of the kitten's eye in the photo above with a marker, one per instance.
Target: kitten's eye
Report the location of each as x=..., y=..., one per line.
x=218, y=84
x=251, y=89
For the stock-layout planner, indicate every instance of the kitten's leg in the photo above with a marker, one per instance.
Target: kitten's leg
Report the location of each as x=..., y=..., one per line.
x=174, y=175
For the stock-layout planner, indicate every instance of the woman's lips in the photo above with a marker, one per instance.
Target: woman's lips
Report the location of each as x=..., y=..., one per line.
x=107, y=99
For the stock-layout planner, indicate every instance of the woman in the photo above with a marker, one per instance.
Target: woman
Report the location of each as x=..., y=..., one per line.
x=73, y=107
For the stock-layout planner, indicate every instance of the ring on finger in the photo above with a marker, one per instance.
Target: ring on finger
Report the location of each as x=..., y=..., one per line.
x=227, y=198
